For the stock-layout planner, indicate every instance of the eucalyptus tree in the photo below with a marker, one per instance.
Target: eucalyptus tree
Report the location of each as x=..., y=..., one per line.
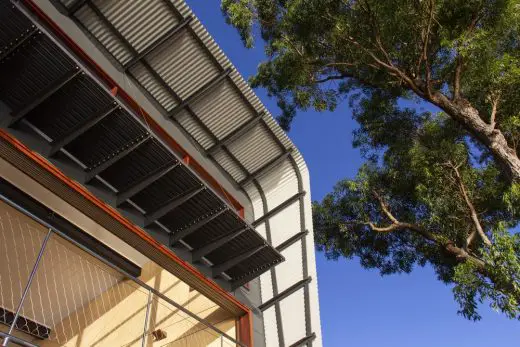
x=439, y=187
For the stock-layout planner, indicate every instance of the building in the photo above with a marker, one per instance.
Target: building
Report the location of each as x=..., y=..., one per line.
x=147, y=197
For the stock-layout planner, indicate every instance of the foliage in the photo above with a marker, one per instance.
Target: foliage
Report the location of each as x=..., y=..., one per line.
x=437, y=188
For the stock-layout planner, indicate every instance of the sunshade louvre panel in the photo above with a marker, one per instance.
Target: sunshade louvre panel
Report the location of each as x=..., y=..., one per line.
x=239, y=245
x=137, y=165
x=15, y=26
x=56, y=117
x=198, y=207
x=106, y=138
x=214, y=230
x=37, y=65
x=170, y=186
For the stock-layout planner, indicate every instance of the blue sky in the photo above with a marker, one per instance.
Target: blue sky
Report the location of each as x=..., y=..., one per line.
x=359, y=307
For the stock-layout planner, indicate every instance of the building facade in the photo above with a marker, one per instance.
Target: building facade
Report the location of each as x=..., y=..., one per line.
x=147, y=197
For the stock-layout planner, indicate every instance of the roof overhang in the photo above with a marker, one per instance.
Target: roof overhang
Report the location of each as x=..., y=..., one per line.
x=110, y=145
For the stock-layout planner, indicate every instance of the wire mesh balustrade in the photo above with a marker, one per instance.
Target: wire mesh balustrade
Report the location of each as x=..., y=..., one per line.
x=53, y=293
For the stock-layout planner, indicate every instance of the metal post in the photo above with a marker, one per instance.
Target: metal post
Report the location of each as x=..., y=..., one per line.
x=148, y=305
x=27, y=287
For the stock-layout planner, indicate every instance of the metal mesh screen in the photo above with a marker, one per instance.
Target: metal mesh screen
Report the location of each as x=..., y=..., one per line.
x=77, y=300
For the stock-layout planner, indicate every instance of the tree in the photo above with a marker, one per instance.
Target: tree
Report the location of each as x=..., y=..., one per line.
x=439, y=188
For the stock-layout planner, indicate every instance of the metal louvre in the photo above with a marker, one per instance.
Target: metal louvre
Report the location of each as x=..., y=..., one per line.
x=15, y=30
x=114, y=146
x=166, y=188
x=137, y=165
x=70, y=107
x=214, y=230
x=200, y=206
x=240, y=244
x=106, y=139
x=37, y=64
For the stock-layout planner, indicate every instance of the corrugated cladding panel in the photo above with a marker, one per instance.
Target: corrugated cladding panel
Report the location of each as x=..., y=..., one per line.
x=294, y=328
x=189, y=123
x=290, y=271
x=225, y=161
x=163, y=97
x=285, y=224
x=203, y=34
x=102, y=33
x=279, y=185
x=183, y=64
x=255, y=149
x=140, y=22
x=271, y=328
x=222, y=109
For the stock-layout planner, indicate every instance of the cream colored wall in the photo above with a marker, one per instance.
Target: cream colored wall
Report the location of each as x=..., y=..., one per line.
x=84, y=302
x=123, y=312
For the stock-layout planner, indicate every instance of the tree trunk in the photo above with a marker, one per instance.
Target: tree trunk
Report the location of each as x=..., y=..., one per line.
x=469, y=117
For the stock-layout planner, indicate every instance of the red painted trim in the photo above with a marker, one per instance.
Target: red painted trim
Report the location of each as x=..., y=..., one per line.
x=131, y=103
x=49, y=167
x=245, y=329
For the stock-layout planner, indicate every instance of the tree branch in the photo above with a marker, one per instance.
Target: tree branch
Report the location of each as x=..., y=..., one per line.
x=494, y=106
x=471, y=207
x=391, y=68
x=384, y=208
x=447, y=245
x=425, y=50
x=457, y=77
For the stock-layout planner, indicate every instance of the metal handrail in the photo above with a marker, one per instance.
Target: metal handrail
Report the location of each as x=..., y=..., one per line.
x=16, y=340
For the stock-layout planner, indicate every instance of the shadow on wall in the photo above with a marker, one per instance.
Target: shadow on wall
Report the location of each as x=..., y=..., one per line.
x=86, y=303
